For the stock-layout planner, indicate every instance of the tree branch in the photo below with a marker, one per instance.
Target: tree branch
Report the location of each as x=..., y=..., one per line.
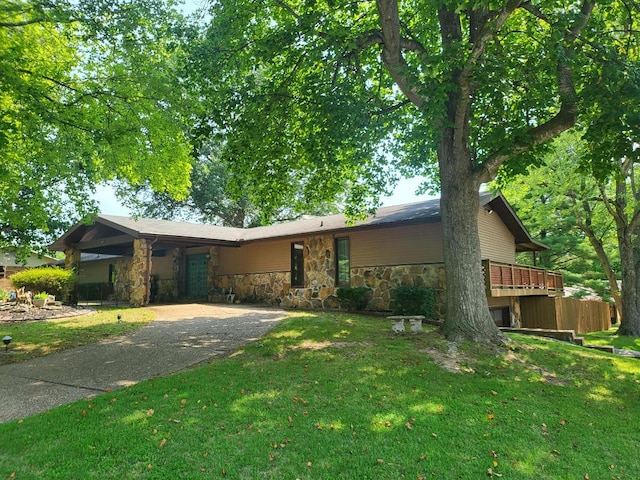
x=393, y=44
x=563, y=120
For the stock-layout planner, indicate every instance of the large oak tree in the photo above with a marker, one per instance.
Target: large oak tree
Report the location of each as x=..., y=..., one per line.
x=328, y=91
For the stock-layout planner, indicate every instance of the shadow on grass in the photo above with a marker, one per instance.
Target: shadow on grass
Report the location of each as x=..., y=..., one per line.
x=340, y=396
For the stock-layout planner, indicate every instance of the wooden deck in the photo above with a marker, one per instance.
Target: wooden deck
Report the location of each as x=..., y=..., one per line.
x=507, y=280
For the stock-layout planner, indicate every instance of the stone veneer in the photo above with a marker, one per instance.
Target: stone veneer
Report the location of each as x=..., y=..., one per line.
x=139, y=273
x=122, y=267
x=383, y=279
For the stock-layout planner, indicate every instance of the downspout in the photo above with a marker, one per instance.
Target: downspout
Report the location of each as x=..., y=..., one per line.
x=148, y=272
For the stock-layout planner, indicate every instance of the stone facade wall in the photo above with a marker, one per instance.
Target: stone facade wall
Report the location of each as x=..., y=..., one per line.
x=140, y=271
x=122, y=267
x=383, y=279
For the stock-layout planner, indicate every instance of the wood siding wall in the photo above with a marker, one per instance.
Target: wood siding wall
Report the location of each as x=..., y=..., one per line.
x=409, y=245
x=404, y=245
x=258, y=257
x=583, y=316
x=497, y=243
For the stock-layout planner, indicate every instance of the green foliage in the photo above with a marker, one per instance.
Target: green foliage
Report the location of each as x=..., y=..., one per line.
x=4, y=294
x=353, y=298
x=336, y=97
x=408, y=300
x=41, y=296
x=55, y=280
x=211, y=200
x=87, y=95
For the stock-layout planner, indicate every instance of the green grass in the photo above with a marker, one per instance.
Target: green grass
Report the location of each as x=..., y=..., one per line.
x=337, y=396
x=41, y=337
x=611, y=337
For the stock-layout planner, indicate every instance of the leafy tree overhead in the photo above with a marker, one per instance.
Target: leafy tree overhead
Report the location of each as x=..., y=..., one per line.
x=326, y=92
x=88, y=93
x=562, y=206
x=211, y=201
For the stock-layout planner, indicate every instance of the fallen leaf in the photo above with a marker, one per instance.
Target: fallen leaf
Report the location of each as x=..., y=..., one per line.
x=493, y=392
x=408, y=425
x=492, y=474
x=563, y=422
x=490, y=416
x=272, y=458
x=290, y=419
x=162, y=443
x=586, y=476
x=150, y=412
x=379, y=461
x=493, y=454
x=555, y=452
x=309, y=464
x=84, y=413
x=387, y=423
x=149, y=466
x=434, y=435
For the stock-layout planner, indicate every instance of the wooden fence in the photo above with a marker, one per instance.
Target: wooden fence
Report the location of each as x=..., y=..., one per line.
x=582, y=316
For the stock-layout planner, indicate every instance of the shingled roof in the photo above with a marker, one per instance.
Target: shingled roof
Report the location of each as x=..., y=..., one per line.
x=194, y=233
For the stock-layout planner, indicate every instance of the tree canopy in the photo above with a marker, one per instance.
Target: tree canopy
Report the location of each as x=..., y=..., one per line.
x=89, y=92
x=334, y=93
x=210, y=199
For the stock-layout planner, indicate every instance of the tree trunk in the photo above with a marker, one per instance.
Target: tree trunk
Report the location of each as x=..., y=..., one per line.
x=630, y=322
x=468, y=316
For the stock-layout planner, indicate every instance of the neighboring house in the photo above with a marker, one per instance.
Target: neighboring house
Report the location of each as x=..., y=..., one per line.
x=300, y=264
x=9, y=264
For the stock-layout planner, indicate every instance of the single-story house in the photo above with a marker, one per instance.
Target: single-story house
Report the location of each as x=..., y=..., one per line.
x=300, y=264
x=10, y=264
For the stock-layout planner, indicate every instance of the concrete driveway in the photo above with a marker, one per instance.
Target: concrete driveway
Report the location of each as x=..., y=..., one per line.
x=180, y=337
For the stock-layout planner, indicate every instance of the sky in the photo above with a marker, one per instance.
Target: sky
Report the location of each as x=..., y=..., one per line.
x=404, y=193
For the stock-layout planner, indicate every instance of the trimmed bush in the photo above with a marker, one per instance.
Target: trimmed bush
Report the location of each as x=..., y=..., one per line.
x=353, y=298
x=414, y=301
x=54, y=280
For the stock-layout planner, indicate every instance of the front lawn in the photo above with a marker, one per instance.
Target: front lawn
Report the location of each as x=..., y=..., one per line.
x=337, y=396
x=36, y=338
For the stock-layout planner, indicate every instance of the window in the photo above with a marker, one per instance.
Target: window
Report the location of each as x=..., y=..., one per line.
x=343, y=268
x=297, y=264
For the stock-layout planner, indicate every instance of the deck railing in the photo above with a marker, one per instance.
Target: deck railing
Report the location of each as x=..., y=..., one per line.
x=503, y=279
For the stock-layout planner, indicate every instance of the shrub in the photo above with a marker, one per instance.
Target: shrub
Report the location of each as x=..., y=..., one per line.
x=57, y=281
x=353, y=298
x=414, y=301
x=4, y=294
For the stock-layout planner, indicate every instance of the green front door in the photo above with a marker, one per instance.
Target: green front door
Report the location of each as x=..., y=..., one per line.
x=197, y=285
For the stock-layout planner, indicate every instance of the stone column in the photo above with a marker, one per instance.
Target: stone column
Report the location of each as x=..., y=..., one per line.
x=72, y=262
x=140, y=274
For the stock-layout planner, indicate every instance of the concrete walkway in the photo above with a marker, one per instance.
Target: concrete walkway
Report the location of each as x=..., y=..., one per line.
x=181, y=336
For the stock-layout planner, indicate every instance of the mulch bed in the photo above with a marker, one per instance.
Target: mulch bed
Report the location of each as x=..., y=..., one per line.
x=11, y=313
